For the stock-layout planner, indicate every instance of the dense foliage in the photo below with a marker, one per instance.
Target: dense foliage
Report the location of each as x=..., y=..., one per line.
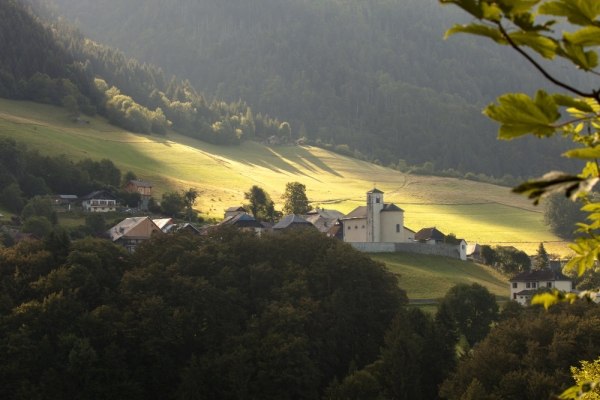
x=228, y=316
x=528, y=356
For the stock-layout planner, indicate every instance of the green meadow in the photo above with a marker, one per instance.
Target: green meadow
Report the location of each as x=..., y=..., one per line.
x=430, y=277
x=474, y=211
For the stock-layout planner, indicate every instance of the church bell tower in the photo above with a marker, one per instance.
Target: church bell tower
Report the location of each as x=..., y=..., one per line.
x=374, y=207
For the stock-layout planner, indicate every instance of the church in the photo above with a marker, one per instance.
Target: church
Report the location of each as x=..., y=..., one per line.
x=376, y=222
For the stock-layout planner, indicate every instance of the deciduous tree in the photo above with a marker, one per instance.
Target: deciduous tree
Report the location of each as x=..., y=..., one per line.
x=295, y=198
x=473, y=308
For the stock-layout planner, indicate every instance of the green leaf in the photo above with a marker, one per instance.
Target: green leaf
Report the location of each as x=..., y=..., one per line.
x=584, y=153
x=478, y=29
x=542, y=45
x=589, y=36
x=564, y=100
x=586, y=60
x=517, y=6
x=578, y=12
x=520, y=115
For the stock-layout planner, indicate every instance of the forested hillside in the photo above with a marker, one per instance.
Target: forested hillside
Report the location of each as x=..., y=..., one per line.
x=374, y=75
x=56, y=64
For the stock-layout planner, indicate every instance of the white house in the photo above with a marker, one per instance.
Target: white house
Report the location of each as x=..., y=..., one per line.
x=99, y=201
x=523, y=285
x=132, y=231
x=376, y=222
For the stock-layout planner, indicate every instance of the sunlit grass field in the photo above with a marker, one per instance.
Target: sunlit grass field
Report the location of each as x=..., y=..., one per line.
x=430, y=277
x=477, y=212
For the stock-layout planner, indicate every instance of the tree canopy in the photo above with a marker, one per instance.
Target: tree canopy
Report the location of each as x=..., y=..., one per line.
x=270, y=317
x=295, y=198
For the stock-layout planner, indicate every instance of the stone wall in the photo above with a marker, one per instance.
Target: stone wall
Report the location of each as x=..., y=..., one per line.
x=444, y=250
x=369, y=247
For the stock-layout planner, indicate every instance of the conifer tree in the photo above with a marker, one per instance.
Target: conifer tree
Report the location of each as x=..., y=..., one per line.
x=541, y=259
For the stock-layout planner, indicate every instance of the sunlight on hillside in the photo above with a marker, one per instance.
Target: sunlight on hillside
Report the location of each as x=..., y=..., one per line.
x=475, y=211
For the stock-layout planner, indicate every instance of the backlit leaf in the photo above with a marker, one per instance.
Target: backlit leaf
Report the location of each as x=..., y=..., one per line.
x=584, y=153
x=578, y=12
x=477, y=29
x=520, y=115
x=589, y=36
x=542, y=45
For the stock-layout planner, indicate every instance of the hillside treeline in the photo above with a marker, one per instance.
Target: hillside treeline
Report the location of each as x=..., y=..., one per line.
x=56, y=64
x=375, y=76
x=25, y=174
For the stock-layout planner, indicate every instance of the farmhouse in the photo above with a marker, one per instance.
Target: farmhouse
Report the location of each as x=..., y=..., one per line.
x=99, y=201
x=132, y=231
x=376, y=222
x=240, y=220
x=523, y=285
x=327, y=222
x=430, y=236
x=142, y=187
x=292, y=222
x=235, y=210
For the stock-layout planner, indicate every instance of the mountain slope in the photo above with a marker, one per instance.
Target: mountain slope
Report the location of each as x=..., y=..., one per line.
x=376, y=76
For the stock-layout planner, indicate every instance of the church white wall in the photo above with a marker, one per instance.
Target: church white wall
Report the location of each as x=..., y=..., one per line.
x=355, y=230
x=392, y=226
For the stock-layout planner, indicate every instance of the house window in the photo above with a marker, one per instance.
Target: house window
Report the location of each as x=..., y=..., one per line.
x=514, y=285
x=355, y=226
x=533, y=285
x=514, y=296
x=349, y=227
x=397, y=228
x=377, y=199
x=363, y=227
x=528, y=285
x=549, y=284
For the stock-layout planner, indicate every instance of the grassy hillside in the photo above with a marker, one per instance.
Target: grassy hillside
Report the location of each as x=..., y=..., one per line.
x=478, y=212
x=430, y=277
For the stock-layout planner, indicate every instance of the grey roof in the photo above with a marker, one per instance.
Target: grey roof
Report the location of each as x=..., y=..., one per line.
x=290, y=220
x=245, y=221
x=121, y=229
x=540, y=275
x=358, y=212
x=361, y=211
x=324, y=213
x=64, y=196
x=235, y=208
x=428, y=234
x=391, y=207
x=321, y=223
x=527, y=292
x=375, y=191
x=178, y=227
x=242, y=220
x=99, y=194
x=140, y=183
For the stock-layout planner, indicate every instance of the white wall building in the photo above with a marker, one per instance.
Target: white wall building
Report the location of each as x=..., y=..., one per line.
x=377, y=222
x=523, y=285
